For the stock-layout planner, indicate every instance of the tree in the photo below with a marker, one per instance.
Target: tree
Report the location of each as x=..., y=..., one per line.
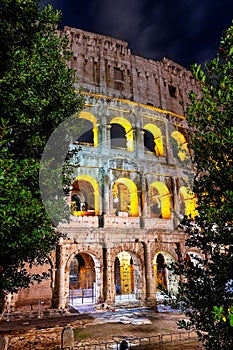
x=204, y=290
x=37, y=94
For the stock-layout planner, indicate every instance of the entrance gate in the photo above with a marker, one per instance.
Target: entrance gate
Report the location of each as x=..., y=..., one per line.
x=82, y=284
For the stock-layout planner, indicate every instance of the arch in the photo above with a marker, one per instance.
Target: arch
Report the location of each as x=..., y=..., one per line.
x=187, y=202
x=180, y=147
x=125, y=198
x=128, y=131
x=149, y=142
x=124, y=273
x=85, y=195
x=118, y=137
x=90, y=117
x=158, y=138
x=84, y=275
x=127, y=275
x=159, y=200
x=164, y=277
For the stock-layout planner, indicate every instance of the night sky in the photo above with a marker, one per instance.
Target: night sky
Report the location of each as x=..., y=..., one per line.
x=186, y=31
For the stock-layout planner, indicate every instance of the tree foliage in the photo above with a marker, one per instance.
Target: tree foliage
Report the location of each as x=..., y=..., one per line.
x=204, y=288
x=37, y=94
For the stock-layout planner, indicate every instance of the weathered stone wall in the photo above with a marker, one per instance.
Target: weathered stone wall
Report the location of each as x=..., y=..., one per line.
x=140, y=94
x=106, y=65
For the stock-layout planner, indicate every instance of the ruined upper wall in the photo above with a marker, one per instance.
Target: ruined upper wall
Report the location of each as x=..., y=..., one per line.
x=106, y=66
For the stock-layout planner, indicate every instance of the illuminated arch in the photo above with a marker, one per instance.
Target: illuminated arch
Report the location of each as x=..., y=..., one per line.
x=162, y=198
x=165, y=279
x=93, y=120
x=95, y=188
x=133, y=195
x=188, y=200
x=128, y=131
x=182, y=151
x=124, y=273
x=158, y=138
x=82, y=270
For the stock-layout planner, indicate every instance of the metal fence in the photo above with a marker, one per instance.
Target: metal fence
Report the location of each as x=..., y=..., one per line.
x=43, y=308
x=139, y=343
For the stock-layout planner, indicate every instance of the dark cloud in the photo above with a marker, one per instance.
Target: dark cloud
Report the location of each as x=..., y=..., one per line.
x=185, y=31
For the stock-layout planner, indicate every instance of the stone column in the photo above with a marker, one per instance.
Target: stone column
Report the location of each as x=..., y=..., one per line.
x=150, y=281
x=102, y=84
x=176, y=204
x=59, y=293
x=142, y=201
x=101, y=177
x=108, y=276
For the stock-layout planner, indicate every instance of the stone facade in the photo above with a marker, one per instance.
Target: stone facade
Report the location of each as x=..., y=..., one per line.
x=105, y=65
x=131, y=186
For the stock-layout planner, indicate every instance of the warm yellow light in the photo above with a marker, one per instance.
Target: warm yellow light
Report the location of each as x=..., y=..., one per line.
x=128, y=131
x=133, y=194
x=126, y=273
x=189, y=201
x=182, y=145
x=164, y=198
x=93, y=120
x=158, y=138
x=94, y=184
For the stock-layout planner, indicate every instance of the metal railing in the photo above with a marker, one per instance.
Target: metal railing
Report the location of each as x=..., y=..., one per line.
x=138, y=343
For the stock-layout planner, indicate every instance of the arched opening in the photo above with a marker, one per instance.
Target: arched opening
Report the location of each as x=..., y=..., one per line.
x=118, y=137
x=165, y=280
x=122, y=134
x=187, y=201
x=125, y=198
x=117, y=275
x=127, y=276
x=153, y=139
x=89, y=130
x=179, y=146
x=82, y=280
x=85, y=196
x=149, y=142
x=159, y=201
x=161, y=273
x=87, y=137
x=124, y=274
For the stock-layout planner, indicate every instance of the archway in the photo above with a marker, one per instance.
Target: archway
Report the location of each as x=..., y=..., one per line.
x=118, y=137
x=153, y=139
x=187, y=202
x=164, y=278
x=125, y=197
x=85, y=196
x=82, y=279
x=149, y=142
x=125, y=132
x=127, y=276
x=179, y=146
x=159, y=200
x=89, y=129
x=87, y=137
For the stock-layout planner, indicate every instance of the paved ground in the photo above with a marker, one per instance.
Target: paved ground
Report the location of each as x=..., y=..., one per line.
x=108, y=325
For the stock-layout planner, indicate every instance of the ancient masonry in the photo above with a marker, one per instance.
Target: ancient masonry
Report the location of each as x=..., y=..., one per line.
x=131, y=186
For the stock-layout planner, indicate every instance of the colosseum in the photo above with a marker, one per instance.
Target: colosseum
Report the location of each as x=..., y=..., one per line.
x=130, y=189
